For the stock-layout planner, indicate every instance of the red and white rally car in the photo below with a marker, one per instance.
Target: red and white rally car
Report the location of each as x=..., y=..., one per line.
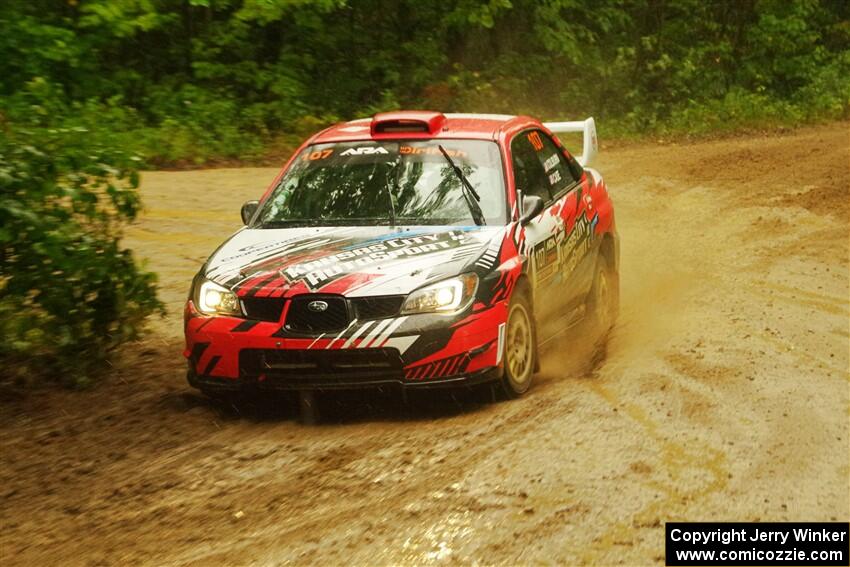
x=412, y=248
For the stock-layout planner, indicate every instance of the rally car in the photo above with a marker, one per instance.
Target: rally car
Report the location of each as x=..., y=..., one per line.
x=412, y=248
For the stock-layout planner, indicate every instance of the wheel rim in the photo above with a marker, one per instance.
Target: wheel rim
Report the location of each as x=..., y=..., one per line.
x=519, y=345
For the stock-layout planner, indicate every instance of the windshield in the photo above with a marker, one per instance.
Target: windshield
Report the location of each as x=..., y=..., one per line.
x=406, y=182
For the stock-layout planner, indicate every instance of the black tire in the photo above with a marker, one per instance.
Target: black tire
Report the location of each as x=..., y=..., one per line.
x=603, y=301
x=221, y=396
x=520, y=356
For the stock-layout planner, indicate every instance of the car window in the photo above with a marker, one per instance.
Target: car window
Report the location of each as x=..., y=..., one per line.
x=529, y=175
x=372, y=182
x=559, y=176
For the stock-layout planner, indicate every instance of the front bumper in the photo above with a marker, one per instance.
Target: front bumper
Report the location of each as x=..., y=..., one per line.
x=228, y=353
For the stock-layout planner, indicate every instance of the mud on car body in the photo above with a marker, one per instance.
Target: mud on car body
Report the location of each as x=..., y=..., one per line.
x=414, y=249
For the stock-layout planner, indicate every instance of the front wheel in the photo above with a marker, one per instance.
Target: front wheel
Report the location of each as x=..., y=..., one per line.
x=520, y=347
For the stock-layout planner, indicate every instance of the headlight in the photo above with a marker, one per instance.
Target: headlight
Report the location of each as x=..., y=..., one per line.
x=214, y=299
x=447, y=296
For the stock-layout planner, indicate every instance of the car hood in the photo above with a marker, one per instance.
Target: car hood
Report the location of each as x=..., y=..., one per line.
x=354, y=261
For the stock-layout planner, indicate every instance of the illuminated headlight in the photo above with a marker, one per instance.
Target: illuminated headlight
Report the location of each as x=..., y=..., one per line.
x=214, y=299
x=447, y=296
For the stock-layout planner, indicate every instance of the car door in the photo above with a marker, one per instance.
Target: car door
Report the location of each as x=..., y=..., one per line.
x=543, y=233
x=570, y=205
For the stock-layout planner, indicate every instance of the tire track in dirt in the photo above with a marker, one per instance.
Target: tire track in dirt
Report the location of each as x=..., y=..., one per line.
x=677, y=459
x=437, y=476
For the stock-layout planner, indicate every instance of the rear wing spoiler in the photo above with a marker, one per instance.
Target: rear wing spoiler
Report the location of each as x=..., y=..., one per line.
x=588, y=128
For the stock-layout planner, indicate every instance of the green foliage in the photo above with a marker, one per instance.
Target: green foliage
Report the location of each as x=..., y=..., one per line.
x=68, y=292
x=187, y=82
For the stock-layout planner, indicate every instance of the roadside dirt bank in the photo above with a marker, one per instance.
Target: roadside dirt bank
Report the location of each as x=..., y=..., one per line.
x=724, y=395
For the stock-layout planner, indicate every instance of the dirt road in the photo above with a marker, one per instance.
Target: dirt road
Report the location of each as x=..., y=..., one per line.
x=724, y=396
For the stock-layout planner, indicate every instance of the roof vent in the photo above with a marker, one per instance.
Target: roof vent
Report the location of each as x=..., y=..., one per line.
x=421, y=122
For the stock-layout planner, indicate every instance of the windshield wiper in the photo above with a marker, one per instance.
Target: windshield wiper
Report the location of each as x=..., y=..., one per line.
x=471, y=197
x=394, y=173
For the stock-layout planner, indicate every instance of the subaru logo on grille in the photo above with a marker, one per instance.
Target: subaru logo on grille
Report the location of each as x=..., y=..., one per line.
x=317, y=306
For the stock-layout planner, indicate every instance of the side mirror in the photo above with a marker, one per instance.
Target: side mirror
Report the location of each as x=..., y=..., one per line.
x=248, y=210
x=532, y=205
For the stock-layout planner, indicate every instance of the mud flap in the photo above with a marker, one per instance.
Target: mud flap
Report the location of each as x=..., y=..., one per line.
x=307, y=408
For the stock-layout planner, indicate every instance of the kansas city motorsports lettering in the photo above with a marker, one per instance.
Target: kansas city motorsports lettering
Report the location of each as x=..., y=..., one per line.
x=320, y=271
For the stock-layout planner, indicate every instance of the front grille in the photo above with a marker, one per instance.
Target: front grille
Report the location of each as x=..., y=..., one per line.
x=321, y=367
x=263, y=308
x=302, y=318
x=377, y=307
x=336, y=317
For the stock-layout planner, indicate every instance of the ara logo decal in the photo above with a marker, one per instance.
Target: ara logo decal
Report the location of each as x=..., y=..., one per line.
x=365, y=151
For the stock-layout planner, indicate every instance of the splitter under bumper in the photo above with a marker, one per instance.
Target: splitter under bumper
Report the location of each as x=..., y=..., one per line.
x=336, y=382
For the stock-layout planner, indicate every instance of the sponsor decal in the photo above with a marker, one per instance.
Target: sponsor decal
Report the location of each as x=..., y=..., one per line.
x=320, y=271
x=577, y=244
x=557, y=254
x=365, y=151
x=546, y=259
x=404, y=150
x=551, y=162
x=430, y=151
x=257, y=249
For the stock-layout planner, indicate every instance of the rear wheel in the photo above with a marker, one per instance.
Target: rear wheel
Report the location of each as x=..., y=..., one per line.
x=520, y=347
x=604, y=297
